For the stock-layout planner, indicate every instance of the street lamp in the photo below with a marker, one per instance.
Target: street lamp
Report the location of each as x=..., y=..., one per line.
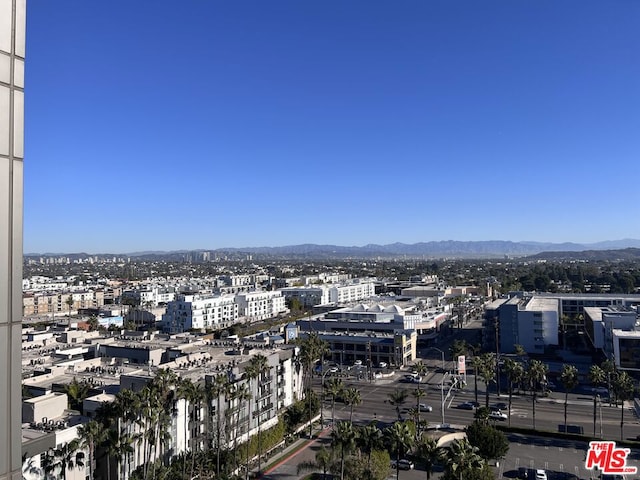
x=441, y=353
x=331, y=370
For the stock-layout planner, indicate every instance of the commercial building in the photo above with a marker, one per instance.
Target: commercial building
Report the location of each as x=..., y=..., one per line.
x=12, y=54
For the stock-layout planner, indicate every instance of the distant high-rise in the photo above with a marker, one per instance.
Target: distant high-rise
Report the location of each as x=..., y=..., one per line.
x=12, y=51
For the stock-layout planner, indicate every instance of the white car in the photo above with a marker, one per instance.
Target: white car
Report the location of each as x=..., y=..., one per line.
x=357, y=363
x=382, y=365
x=403, y=464
x=498, y=416
x=540, y=475
x=425, y=408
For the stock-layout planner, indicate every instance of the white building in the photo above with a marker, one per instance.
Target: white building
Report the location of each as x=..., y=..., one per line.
x=200, y=311
x=325, y=294
x=532, y=323
x=353, y=292
x=255, y=306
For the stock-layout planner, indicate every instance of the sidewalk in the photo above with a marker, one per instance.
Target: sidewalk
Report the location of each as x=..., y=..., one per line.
x=273, y=465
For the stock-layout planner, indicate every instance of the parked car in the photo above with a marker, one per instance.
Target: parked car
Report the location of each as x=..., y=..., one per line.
x=382, y=365
x=425, y=408
x=403, y=464
x=498, y=416
x=541, y=475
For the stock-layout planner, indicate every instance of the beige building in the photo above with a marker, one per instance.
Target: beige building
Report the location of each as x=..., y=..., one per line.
x=12, y=53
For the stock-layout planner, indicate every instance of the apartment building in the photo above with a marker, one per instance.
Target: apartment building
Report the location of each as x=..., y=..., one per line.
x=256, y=306
x=330, y=294
x=201, y=312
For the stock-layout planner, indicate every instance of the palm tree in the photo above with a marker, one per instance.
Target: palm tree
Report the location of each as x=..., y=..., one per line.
x=476, y=363
x=597, y=377
x=324, y=460
x=536, y=373
x=67, y=456
x=343, y=437
x=609, y=369
x=397, y=398
x=69, y=302
x=334, y=387
x=460, y=457
x=91, y=434
x=369, y=438
x=400, y=439
x=353, y=398
x=76, y=392
x=569, y=378
x=515, y=372
x=118, y=447
x=623, y=387
x=261, y=367
x=218, y=389
x=487, y=372
x=418, y=394
x=428, y=452
x=312, y=349
x=240, y=395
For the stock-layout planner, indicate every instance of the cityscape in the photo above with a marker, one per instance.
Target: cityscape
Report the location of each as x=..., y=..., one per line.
x=319, y=240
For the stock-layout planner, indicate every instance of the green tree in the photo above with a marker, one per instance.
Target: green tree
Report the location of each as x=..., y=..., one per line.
x=369, y=438
x=536, y=373
x=487, y=372
x=353, y=398
x=597, y=377
x=569, y=378
x=492, y=444
x=67, y=457
x=90, y=435
x=428, y=452
x=343, y=438
x=515, y=373
x=462, y=461
x=623, y=387
x=334, y=388
x=398, y=398
x=76, y=392
x=400, y=440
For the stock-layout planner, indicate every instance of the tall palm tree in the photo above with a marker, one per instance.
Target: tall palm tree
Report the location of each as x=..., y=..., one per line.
x=91, y=434
x=597, y=377
x=428, y=452
x=261, y=367
x=400, y=440
x=369, y=438
x=353, y=398
x=487, y=372
x=76, y=392
x=569, y=378
x=515, y=372
x=251, y=372
x=397, y=398
x=118, y=447
x=461, y=457
x=609, y=369
x=623, y=387
x=311, y=349
x=418, y=394
x=217, y=390
x=334, y=388
x=536, y=373
x=343, y=438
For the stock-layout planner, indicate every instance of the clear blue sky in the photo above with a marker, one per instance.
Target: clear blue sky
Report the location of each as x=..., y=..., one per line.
x=160, y=125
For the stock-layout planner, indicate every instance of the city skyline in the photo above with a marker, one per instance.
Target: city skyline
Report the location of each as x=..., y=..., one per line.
x=266, y=124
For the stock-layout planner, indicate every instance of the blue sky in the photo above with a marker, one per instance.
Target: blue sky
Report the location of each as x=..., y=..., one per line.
x=161, y=125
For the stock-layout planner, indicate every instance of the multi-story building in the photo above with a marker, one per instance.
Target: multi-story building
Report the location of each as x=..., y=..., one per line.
x=12, y=54
x=330, y=294
x=256, y=306
x=200, y=311
x=531, y=322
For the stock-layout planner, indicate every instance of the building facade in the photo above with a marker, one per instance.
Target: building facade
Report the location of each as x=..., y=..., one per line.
x=12, y=54
x=200, y=311
x=256, y=306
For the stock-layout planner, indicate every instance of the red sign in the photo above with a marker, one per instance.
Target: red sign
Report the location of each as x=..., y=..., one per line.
x=608, y=458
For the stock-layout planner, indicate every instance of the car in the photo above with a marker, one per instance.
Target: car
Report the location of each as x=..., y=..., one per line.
x=382, y=365
x=498, y=416
x=540, y=475
x=402, y=464
x=466, y=406
x=425, y=408
x=501, y=406
x=357, y=363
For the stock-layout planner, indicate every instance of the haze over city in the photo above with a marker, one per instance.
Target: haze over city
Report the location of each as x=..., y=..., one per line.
x=163, y=126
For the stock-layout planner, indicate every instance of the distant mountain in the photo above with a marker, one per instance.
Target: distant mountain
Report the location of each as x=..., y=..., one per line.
x=439, y=249
x=625, y=254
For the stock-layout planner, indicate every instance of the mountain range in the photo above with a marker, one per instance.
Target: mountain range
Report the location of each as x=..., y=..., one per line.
x=434, y=249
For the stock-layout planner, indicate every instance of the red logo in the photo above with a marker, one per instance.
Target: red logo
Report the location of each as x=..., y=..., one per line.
x=608, y=458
